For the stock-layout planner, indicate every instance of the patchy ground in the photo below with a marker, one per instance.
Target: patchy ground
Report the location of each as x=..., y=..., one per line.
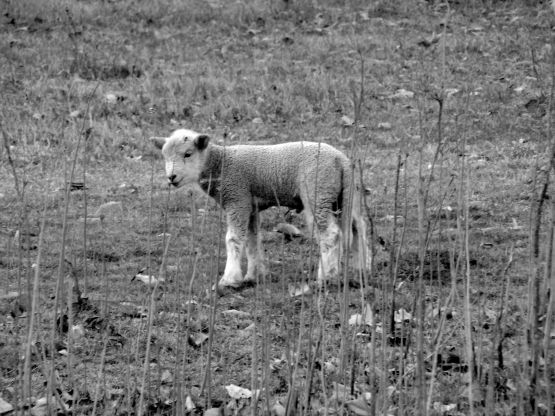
x=457, y=96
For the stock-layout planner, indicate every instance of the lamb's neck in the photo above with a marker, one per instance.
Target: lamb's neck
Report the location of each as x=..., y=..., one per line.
x=209, y=179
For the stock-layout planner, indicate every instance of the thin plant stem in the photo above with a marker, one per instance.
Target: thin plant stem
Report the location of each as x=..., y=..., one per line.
x=34, y=309
x=151, y=314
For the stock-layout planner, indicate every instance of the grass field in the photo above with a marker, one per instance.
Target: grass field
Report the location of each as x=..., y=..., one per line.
x=445, y=110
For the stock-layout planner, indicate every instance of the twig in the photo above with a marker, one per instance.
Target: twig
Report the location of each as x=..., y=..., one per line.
x=18, y=188
x=34, y=309
x=151, y=313
x=61, y=260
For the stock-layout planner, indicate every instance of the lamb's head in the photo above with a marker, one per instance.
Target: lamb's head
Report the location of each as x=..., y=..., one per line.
x=184, y=153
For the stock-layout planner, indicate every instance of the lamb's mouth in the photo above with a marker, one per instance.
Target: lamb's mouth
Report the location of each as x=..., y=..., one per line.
x=175, y=184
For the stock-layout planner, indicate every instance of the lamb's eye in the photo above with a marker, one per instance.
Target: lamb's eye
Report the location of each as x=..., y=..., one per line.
x=187, y=154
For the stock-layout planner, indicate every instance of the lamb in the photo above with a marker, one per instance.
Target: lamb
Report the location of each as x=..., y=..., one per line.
x=306, y=176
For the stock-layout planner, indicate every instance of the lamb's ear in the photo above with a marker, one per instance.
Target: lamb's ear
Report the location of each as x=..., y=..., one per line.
x=158, y=141
x=201, y=141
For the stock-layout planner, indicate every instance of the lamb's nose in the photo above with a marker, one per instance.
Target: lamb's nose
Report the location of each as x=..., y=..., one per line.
x=171, y=178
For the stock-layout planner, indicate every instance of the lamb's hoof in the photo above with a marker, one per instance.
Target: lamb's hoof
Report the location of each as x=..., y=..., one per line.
x=227, y=289
x=224, y=290
x=248, y=281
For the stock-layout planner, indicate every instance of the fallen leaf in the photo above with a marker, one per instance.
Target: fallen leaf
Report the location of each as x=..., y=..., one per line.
x=515, y=225
x=391, y=390
x=330, y=368
x=277, y=364
x=197, y=340
x=347, y=121
x=128, y=188
x=235, y=312
x=490, y=314
x=77, y=331
x=166, y=377
x=147, y=279
x=236, y=392
x=355, y=319
x=288, y=230
x=364, y=16
x=444, y=408
x=390, y=217
x=296, y=290
x=429, y=41
x=432, y=313
x=402, y=315
x=476, y=28
x=40, y=410
x=189, y=405
x=5, y=407
x=401, y=93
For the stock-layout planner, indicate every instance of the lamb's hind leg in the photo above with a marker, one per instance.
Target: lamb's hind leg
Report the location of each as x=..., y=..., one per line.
x=362, y=257
x=330, y=251
x=323, y=226
x=256, y=261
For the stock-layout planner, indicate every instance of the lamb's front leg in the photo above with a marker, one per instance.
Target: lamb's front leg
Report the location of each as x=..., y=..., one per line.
x=256, y=260
x=362, y=256
x=330, y=252
x=322, y=225
x=235, y=239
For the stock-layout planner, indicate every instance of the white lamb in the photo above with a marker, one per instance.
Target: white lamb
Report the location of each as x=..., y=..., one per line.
x=312, y=177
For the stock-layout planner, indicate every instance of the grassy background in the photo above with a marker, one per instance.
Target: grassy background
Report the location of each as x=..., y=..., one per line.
x=90, y=81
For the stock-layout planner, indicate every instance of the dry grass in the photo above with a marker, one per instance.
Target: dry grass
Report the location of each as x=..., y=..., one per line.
x=90, y=81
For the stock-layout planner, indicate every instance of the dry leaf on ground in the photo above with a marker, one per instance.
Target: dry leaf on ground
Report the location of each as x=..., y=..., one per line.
x=236, y=392
x=147, y=279
x=299, y=290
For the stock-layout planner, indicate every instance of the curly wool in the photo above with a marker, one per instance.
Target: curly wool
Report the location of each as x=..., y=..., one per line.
x=275, y=175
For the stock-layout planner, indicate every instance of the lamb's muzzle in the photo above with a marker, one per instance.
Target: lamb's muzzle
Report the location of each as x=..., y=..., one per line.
x=245, y=179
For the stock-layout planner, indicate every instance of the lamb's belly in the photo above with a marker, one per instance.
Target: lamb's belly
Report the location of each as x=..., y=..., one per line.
x=289, y=201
